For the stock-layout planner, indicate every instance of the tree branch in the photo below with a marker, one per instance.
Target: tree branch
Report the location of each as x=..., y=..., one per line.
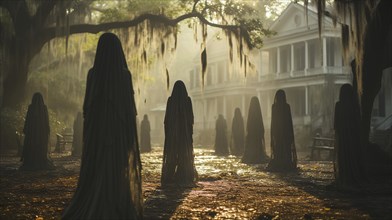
x=194, y=5
x=19, y=13
x=50, y=33
x=43, y=11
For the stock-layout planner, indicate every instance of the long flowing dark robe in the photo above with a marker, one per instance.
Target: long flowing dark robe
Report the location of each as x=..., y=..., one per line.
x=145, y=138
x=283, y=152
x=109, y=185
x=254, y=143
x=178, y=158
x=221, y=143
x=36, y=130
x=237, y=134
x=77, y=142
x=349, y=169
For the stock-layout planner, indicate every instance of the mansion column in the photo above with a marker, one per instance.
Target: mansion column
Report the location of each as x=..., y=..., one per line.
x=224, y=106
x=277, y=61
x=292, y=60
x=306, y=58
x=324, y=54
x=306, y=100
x=243, y=110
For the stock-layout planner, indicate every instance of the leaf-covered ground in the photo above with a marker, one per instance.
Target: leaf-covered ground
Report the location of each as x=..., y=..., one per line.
x=227, y=189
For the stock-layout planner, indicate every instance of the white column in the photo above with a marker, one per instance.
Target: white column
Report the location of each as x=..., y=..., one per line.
x=216, y=106
x=292, y=60
x=269, y=104
x=278, y=61
x=205, y=113
x=195, y=74
x=225, y=71
x=306, y=58
x=243, y=104
x=306, y=100
x=324, y=53
x=261, y=65
x=224, y=106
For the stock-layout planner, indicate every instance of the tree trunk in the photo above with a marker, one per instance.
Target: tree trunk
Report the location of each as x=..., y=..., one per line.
x=374, y=61
x=22, y=50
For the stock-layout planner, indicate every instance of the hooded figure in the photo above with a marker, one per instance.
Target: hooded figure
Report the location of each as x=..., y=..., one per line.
x=36, y=130
x=77, y=141
x=283, y=152
x=221, y=145
x=237, y=133
x=255, y=145
x=178, y=158
x=349, y=168
x=145, y=138
x=109, y=185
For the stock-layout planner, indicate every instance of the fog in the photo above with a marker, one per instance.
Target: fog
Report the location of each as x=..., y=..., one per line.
x=232, y=78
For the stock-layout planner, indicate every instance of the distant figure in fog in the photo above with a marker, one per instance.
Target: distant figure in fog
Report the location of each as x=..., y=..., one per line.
x=237, y=133
x=36, y=130
x=145, y=138
x=349, y=169
x=221, y=145
x=109, y=185
x=254, y=143
x=77, y=142
x=283, y=152
x=178, y=158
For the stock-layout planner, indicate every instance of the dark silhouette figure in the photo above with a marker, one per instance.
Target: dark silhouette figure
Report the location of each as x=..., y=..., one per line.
x=349, y=168
x=254, y=143
x=221, y=144
x=237, y=133
x=77, y=141
x=178, y=158
x=36, y=130
x=283, y=152
x=145, y=138
x=109, y=185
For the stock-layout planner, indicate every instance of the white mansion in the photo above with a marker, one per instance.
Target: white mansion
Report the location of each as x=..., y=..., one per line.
x=309, y=68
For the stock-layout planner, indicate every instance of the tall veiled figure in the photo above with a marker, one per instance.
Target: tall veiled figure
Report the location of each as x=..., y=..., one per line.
x=178, y=158
x=221, y=144
x=109, y=185
x=283, y=152
x=36, y=130
x=237, y=133
x=77, y=141
x=349, y=168
x=254, y=143
x=145, y=138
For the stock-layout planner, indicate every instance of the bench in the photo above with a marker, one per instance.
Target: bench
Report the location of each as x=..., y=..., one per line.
x=62, y=140
x=322, y=144
x=19, y=143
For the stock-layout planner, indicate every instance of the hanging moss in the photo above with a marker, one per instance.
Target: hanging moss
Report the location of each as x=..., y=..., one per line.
x=145, y=56
x=245, y=64
x=203, y=64
x=162, y=48
x=167, y=80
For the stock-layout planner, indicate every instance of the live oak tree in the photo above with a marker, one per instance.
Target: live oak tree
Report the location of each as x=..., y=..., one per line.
x=27, y=25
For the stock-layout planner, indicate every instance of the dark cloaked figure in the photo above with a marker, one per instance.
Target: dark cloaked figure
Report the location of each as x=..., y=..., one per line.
x=109, y=185
x=237, y=133
x=349, y=168
x=77, y=141
x=254, y=143
x=178, y=158
x=221, y=144
x=145, y=138
x=36, y=130
x=283, y=152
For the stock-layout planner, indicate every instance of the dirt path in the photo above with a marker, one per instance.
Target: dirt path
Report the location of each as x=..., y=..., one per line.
x=226, y=189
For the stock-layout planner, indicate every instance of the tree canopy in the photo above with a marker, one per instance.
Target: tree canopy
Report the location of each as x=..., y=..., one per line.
x=27, y=25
